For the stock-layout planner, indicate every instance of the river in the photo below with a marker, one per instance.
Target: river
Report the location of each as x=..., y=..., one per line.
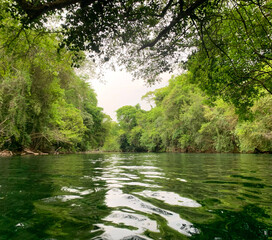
x=136, y=196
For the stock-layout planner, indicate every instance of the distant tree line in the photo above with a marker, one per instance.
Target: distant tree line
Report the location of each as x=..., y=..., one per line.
x=185, y=119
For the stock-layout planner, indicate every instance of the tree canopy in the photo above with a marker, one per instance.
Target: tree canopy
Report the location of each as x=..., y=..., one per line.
x=229, y=42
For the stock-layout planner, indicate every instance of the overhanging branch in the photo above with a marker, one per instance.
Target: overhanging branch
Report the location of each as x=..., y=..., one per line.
x=167, y=29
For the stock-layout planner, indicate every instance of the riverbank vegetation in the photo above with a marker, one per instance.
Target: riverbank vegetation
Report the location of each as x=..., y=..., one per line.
x=44, y=105
x=222, y=102
x=185, y=119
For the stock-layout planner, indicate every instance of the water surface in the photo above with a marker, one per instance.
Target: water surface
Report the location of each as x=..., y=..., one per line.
x=136, y=196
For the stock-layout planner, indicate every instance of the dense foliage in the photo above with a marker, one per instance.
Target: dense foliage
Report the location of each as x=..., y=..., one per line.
x=224, y=45
x=44, y=105
x=229, y=41
x=185, y=119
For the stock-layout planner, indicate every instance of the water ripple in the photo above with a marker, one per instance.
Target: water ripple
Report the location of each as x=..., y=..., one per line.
x=115, y=198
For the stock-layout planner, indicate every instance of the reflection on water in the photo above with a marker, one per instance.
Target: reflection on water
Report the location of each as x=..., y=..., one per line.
x=136, y=196
x=170, y=198
x=62, y=198
x=140, y=222
x=77, y=190
x=115, y=198
x=116, y=178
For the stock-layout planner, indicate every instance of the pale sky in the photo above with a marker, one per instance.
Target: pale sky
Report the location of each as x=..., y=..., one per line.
x=117, y=89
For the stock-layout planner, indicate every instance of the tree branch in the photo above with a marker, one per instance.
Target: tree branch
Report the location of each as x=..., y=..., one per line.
x=166, y=8
x=167, y=29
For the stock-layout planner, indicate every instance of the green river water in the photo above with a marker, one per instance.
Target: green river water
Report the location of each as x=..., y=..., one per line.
x=136, y=196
